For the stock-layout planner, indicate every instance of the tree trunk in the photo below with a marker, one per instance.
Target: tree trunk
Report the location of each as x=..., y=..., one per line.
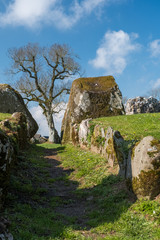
x=53, y=134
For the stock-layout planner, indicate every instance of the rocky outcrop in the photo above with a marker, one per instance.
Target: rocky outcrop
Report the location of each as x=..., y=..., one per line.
x=91, y=98
x=107, y=142
x=7, y=157
x=16, y=129
x=137, y=162
x=142, y=105
x=4, y=233
x=83, y=133
x=13, y=136
x=143, y=169
x=11, y=101
x=38, y=139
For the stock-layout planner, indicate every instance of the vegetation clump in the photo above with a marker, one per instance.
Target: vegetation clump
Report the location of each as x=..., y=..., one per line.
x=107, y=209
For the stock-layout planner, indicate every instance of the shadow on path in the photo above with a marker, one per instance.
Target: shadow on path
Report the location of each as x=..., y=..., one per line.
x=80, y=209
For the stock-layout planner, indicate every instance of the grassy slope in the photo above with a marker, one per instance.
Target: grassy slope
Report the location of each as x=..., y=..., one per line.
x=133, y=126
x=115, y=213
x=4, y=116
x=111, y=212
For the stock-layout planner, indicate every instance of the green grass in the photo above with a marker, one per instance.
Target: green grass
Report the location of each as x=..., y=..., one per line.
x=114, y=214
x=134, y=126
x=111, y=211
x=89, y=168
x=4, y=116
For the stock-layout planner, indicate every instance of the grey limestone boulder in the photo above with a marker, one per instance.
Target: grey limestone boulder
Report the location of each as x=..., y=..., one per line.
x=38, y=139
x=107, y=142
x=84, y=131
x=91, y=98
x=11, y=101
x=143, y=168
x=142, y=105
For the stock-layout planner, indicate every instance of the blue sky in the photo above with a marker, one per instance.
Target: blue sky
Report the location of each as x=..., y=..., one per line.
x=111, y=37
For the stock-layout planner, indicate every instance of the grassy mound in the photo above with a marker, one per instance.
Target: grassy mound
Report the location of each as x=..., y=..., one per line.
x=134, y=126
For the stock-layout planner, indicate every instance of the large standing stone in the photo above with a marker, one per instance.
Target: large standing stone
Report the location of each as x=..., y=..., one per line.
x=142, y=105
x=144, y=168
x=11, y=101
x=13, y=136
x=110, y=144
x=7, y=157
x=91, y=98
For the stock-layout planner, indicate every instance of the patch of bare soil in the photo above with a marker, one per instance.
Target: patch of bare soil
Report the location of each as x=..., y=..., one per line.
x=71, y=205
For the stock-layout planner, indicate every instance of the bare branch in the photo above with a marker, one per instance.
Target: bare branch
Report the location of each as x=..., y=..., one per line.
x=42, y=73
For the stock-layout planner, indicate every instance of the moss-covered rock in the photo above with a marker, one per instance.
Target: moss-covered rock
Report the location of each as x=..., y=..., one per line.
x=11, y=101
x=84, y=132
x=107, y=142
x=96, y=143
x=145, y=168
x=13, y=136
x=91, y=98
x=7, y=157
x=4, y=232
x=16, y=128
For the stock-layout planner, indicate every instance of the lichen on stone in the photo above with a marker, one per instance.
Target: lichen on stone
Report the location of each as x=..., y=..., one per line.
x=91, y=98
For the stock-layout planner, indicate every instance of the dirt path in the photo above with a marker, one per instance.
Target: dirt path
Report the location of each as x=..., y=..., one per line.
x=71, y=205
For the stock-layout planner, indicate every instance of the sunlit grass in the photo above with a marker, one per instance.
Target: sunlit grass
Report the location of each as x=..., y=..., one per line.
x=4, y=116
x=110, y=212
x=134, y=126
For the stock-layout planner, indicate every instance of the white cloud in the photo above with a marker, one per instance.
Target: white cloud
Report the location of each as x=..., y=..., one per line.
x=155, y=48
x=41, y=120
x=156, y=84
x=26, y=12
x=113, y=51
x=33, y=13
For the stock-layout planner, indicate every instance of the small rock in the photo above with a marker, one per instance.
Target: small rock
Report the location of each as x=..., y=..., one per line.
x=142, y=105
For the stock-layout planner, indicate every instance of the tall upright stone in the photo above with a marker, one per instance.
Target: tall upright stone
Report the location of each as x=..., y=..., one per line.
x=91, y=98
x=143, y=168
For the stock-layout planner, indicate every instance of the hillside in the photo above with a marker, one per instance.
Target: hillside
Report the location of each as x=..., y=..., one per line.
x=133, y=126
x=64, y=192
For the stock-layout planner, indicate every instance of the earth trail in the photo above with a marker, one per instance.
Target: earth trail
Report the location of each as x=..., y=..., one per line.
x=71, y=205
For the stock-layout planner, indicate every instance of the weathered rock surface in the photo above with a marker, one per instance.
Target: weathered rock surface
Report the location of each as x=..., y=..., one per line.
x=4, y=233
x=91, y=98
x=84, y=132
x=16, y=128
x=13, y=136
x=7, y=157
x=142, y=105
x=38, y=139
x=11, y=101
x=144, y=172
x=108, y=143
x=138, y=163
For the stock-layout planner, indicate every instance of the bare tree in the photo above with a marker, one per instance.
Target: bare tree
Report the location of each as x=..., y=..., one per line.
x=154, y=92
x=43, y=75
x=124, y=100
